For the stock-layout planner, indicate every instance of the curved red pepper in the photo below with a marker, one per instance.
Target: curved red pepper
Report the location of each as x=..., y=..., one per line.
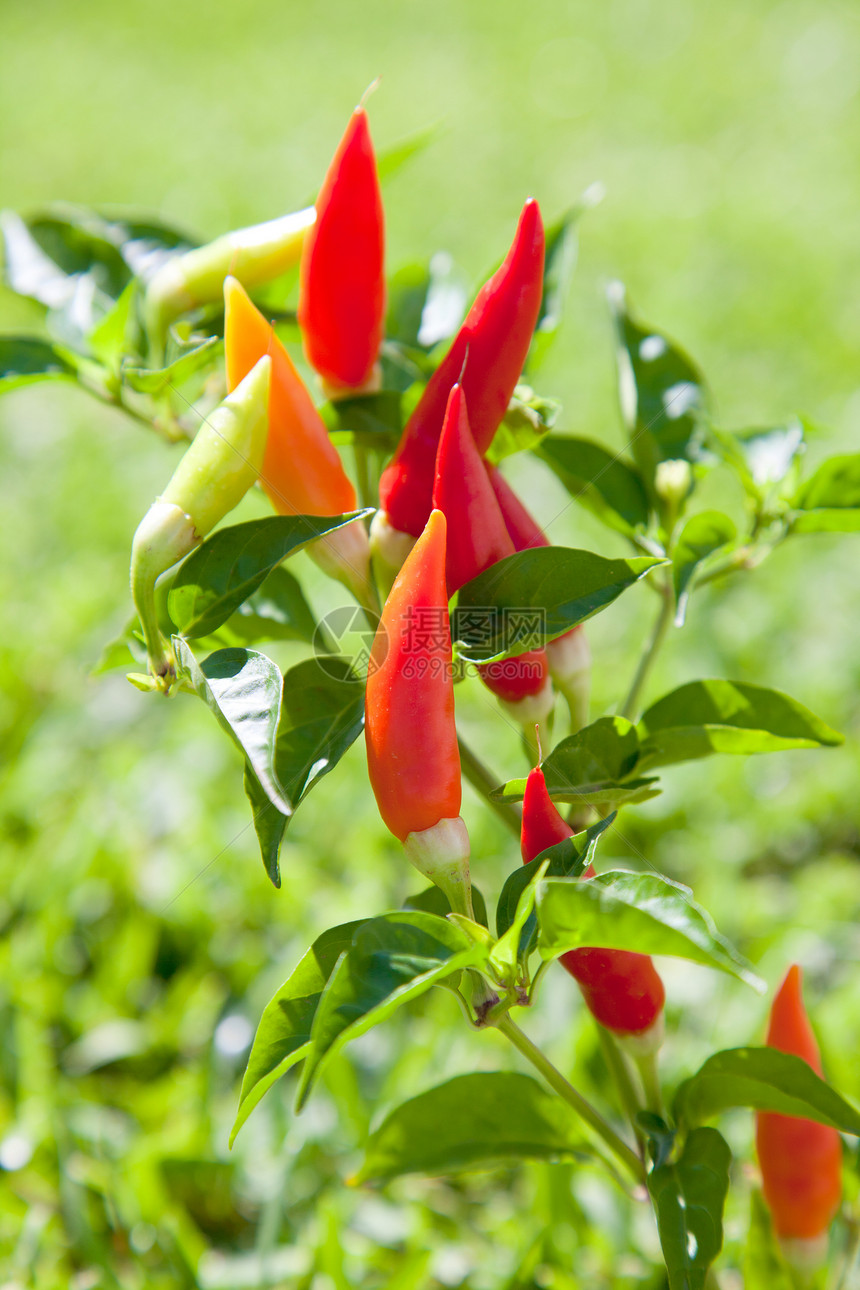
x=412, y=753
x=801, y=1161
x=477, y=538
x=496, y=336
x=621, y=988
x=342, y=281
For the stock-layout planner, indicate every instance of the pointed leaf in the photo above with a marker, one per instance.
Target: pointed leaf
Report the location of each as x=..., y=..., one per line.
x=243, y=690
x=595, y=765
x=473, y=1122
x=607, y=485
x=157, y=381
x=761, y=456
x=644, y=912
x=270, y=824
x=24, y=359
x=322, y=714
x=764, y=1079
x=231, y=564
x=278, y=611
x=532, y=597
x=662, y=391
x=705, y=717
x=283, y=1035
x=829, y=502
x=702, y=536
x=688, y=1199
x=393, y=959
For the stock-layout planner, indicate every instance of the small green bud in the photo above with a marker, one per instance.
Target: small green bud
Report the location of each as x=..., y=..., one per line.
x=672, y=483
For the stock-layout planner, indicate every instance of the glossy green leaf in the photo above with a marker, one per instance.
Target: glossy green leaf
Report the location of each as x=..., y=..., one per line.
x=322, y=714
x=661, y=390
x=473, y=1122
x=688, y=1198
x=283, y=1035
x=278, y=611
x=702, y=536
x=633, y=911
x=598, y=764
x=243, y=690
x=829, y=502
x=270, y=824
x=607, y=485
x=567, y=859
x=157, y=381
x=765, y=1080
x=761, y=456
x=392, y=959
x=705, y=717
x=531, y=597
x=234, y=562
x=24, y=359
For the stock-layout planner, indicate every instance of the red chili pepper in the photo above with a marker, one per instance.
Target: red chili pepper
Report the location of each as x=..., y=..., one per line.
x=477, y=539
x=568, y=656
x=801, y=1160
x=342, y=282
x=496, y=335
x=621, y=988
x=412, y=752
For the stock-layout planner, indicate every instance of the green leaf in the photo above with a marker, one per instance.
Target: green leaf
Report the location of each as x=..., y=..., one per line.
x=701, y=537
x=231, y=564
x=426, y=303
x=764, y=1079
x=526, y=423
x=322, y=714
x=829, y=502
x=157, y=381
x=392, y=959
x=761, y=456
x=661, y=390
x=596, y=765
x=644, y=912
x=705, y=717
x=472, y=1122
x=243, y=690
x=567, y=859
x=531, y=597
x=270, y=824
x=278, y=611
x=370, y=420
x=283, y=1035
x=432, y=900
x=390, y=160
x=110, y=337
x=688, y=1199
x=610, y=487
x=25, y=359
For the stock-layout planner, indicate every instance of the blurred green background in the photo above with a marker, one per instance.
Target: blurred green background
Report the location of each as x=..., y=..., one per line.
x=140, y=936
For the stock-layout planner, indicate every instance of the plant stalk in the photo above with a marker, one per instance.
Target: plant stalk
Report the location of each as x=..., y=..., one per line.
x=484, y=782
x=649, y=654
x=581, y=1105
x=619, y=1069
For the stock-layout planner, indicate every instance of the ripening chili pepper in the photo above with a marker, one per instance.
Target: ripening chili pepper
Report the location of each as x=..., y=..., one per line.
x=218, y=468
x=496, y=336
x=254, y=255
x=342, y=283
x=621, y=988
x=477, y=539
x=412, y=754
x=302, y=472
x=568, y=656
x=800, y=1160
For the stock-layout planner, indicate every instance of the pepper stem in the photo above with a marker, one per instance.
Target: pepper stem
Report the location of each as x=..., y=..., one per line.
x=441, y=853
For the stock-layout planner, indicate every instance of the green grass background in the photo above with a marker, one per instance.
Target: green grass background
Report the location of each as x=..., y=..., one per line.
x=135, y=916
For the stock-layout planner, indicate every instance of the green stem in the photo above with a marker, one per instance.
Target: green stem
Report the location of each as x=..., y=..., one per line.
x=620, y=1072
x=565, y=1090
x=484, y=782
x=664, y=619
x=647, y=1066
x=362, y=475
